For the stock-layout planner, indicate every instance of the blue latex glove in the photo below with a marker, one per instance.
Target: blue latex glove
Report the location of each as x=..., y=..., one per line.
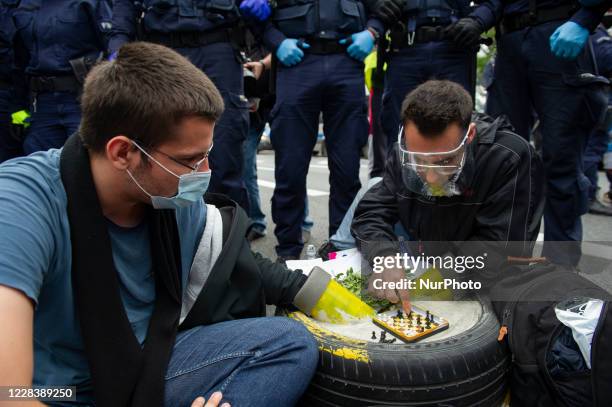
x=257, y=9
x=361, y=46
x=568, y=40
x=289, y=52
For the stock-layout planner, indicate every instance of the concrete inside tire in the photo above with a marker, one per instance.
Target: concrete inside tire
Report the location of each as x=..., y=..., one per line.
x=464, y=366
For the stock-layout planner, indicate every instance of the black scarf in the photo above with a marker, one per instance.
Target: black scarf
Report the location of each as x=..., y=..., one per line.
x=123, y=373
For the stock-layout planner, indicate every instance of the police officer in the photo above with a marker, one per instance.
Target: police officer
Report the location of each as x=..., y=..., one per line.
x=320, y=46
x=10, y=143
x=63, y=40
x=429, y=39
x=597, y=143
x=544, y=60
x=208, y=33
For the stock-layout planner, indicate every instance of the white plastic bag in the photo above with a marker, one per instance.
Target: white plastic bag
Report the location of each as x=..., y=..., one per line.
x=581, y=315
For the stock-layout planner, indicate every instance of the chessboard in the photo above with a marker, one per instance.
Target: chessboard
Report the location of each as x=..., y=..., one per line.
x=409, y=328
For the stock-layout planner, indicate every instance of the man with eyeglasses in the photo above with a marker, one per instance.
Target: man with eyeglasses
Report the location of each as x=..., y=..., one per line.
x=120, y=279
x=452, y=176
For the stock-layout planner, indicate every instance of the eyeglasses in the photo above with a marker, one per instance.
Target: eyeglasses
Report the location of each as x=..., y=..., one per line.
x=193, y=167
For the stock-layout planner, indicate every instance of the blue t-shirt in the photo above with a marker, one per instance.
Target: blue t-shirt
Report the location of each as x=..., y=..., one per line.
x=36, y=258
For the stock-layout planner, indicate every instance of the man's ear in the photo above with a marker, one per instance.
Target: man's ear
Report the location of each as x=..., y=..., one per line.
x=122, y=153
x=471, y=132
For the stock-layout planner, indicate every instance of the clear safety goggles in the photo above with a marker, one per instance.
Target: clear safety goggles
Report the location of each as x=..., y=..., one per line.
x=444, y=163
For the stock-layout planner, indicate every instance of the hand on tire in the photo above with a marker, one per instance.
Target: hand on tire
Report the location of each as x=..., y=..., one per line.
x=394, y=296
x=214, y=401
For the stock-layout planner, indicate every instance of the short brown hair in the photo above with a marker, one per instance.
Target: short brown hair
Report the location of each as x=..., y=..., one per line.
x=434, y=105
x=144, y=93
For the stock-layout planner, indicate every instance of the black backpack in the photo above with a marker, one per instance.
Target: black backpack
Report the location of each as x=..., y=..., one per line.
x=525, y=305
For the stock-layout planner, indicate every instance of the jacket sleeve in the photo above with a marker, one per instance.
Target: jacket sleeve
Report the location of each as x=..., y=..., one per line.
x=377, y=25
x=125, y=16
x=373, y=21
x=488, y=13
x=590, y=17
x=377, y=213
x=101, y=15
x=272, y=37
x=280, y=284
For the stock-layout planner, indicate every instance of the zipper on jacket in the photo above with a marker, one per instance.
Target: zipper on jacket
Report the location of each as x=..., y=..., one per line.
x=503, y=329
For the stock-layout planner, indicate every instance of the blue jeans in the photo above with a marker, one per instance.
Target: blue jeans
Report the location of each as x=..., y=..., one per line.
x=249, y=174
x=253, y=362
x=343, y=239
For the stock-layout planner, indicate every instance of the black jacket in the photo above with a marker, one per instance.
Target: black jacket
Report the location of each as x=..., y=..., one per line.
x=504, y=204
x=241, y=282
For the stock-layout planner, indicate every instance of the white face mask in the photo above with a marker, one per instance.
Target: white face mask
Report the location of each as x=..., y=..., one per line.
x=191, y=186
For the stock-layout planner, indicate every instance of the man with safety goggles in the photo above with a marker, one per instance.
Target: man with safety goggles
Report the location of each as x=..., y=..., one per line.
x=453, y=176
x=433, y=173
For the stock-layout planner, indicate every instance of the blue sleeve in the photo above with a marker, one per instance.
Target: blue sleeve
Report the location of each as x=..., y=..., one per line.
x=373, y=21
x=101, y=15
x=377, y=25
x=602, y=47
x=26, y=229
x=104, y=20
x=272, y=37
x=125, y=16
x=488, y=13
x=590, y=17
